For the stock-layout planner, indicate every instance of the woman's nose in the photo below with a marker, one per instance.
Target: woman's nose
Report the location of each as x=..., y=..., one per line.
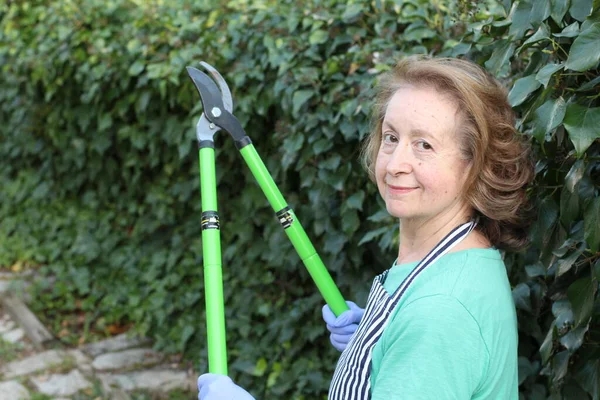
x=400, y=160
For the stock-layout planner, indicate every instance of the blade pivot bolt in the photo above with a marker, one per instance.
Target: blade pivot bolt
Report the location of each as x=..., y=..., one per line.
x=216, y=112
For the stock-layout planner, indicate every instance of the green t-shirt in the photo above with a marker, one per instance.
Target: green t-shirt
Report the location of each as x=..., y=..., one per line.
x=453, y=335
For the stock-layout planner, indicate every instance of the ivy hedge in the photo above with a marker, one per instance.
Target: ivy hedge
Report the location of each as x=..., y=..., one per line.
x=99, y=177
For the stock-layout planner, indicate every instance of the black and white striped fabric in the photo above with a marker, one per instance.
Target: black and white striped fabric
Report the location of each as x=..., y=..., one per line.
x=351, y=379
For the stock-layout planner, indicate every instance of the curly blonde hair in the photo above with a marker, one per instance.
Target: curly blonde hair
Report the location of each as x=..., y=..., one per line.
x=501, y=161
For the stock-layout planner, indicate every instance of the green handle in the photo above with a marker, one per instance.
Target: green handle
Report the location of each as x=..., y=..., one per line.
x=213, y=277
x=295, y=232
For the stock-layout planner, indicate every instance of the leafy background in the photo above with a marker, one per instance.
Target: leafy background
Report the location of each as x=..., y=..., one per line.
x=99, y=178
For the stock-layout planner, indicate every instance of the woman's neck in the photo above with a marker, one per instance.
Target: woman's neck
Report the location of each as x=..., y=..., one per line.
x=418, y=237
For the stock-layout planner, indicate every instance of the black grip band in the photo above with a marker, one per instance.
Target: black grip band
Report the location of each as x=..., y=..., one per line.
x=285, y=217
x=243, y=142
x=206, y=143
x=210, y=220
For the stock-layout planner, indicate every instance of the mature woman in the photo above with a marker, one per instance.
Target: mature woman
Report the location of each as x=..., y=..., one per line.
x=440, y=323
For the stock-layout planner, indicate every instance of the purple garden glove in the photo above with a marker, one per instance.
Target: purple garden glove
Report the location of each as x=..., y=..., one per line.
x=220, y=387
x=343, y=327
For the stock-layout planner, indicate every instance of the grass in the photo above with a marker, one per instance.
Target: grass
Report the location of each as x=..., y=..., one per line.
x=173, y=395
x=10, y=351
x=40, y=396
x=63, y=367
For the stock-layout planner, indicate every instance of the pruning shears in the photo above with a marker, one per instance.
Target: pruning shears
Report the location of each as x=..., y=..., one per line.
x=217, y=114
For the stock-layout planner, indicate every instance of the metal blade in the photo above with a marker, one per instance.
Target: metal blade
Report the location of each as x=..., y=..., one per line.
x=209, y=92
x=225, y=92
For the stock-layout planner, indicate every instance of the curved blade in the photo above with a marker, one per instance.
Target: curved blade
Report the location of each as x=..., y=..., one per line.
x=225, y=92
x=209, y=93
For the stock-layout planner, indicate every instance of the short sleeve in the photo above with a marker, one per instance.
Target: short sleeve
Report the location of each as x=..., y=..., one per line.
x=432, y=349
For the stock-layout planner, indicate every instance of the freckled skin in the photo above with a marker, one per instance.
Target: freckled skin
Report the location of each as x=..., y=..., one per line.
x=429, y=162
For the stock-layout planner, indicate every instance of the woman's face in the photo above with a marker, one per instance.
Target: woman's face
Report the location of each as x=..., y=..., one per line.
x=419, y=170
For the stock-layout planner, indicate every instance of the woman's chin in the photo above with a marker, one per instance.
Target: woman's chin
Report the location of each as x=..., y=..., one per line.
x=397, y=212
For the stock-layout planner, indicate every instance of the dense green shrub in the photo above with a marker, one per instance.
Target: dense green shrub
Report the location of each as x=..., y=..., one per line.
x=100, y=183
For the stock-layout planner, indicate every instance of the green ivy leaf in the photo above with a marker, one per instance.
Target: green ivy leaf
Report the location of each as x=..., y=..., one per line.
x=558, y=9
x=543, y=76
x=547, y=117
x=350, y=222
x=521, y=296
x=543, y=33
x=460, y=49
x=582, y=124
x=574, y=338
x=562, y=311
x=500, y=56
x=585, y=51
x=592, y=225
x=520, y=20
x=260, y=367
x=101, y=142
x=589, y=85
x=574, y=175
x=291, y=146
x=136, y=68
x=417, y=31
x=580, y=9
x=596, y=270
x=560, y=365
x=352, y=11
x=569, y=207
x=356, y=200
x=142, y=102
x=539, y=12
x=581, y=295
x=317, y=37
x=534, y=270
x=544, y=226
x=526, y=369
x=588, y=377
x=371, y=235
x=322, y=145
x=546, y=347
x=569, y=31
x=105, y=122
x=300, y=97
x=565, y=264
x=334, y=244
x=522, y=89
x=186, y=334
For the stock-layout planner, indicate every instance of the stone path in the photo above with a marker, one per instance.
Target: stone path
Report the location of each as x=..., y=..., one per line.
x=120, y=368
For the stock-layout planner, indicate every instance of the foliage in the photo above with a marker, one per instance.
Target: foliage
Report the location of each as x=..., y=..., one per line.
x=550, y=50
x=100, y=183
x=10, y=351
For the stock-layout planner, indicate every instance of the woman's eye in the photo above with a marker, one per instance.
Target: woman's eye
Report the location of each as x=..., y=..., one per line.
x=422, y=145
x=388, y=138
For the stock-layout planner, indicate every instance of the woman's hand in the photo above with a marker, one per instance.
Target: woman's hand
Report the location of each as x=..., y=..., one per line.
x=343, y=327
x=220, y=387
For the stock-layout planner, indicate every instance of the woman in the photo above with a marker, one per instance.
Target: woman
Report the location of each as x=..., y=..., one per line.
x=441, y=323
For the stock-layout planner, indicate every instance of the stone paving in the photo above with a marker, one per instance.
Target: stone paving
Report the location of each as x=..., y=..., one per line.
x=120, y=368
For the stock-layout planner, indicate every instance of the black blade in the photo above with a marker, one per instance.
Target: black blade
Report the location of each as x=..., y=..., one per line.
x=225, y=92
x=209, y=92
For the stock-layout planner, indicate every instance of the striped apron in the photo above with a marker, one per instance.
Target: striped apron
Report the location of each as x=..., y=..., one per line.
x=351, y=379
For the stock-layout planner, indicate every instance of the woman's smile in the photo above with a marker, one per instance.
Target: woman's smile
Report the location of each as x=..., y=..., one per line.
x=396, y=190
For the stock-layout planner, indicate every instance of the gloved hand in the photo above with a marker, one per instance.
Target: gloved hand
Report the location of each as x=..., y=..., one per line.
x=343, y=327
x=220, y=387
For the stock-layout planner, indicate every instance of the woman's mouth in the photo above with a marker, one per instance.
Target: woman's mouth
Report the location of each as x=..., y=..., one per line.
x=400, y=189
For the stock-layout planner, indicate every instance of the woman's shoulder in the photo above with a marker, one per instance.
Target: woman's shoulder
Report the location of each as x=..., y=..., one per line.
x=469, y=265
x=475, y=277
